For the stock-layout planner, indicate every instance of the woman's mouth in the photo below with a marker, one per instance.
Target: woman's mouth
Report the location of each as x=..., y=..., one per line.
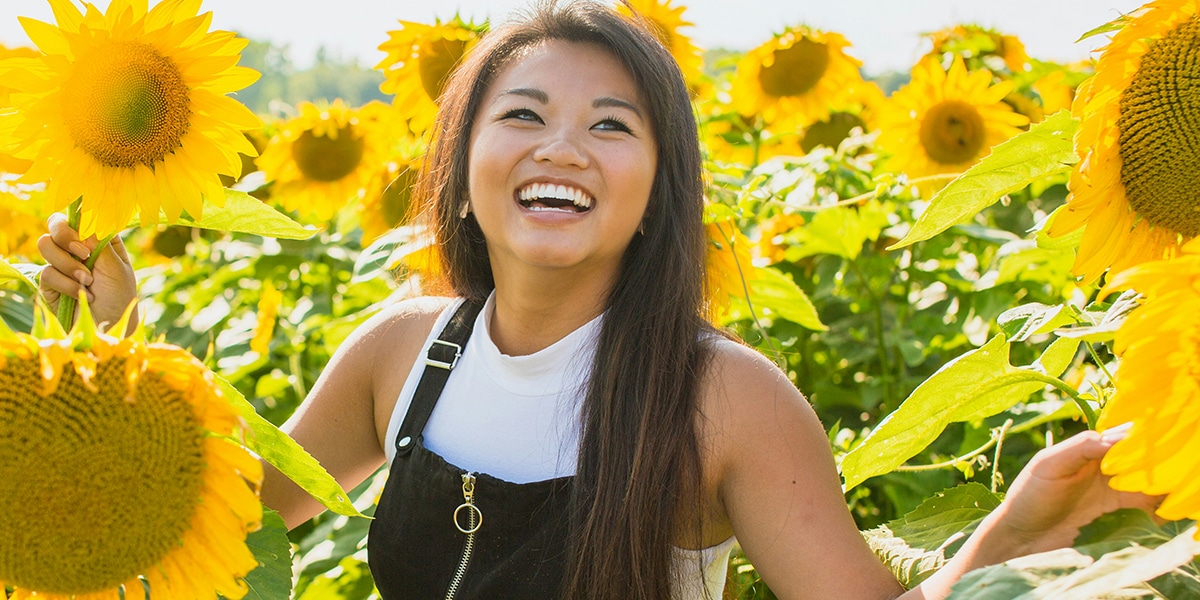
x=553, y=197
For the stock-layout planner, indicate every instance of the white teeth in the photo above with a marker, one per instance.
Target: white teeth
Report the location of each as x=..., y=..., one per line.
x=548, y=190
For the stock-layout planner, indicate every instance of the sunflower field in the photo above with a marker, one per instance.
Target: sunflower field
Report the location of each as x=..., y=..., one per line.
x=957, y=271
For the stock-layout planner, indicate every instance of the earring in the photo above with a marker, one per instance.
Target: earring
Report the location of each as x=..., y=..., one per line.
x=642, y=227
x=464, y=208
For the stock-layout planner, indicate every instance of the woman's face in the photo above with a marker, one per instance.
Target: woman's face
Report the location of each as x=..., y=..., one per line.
x=562, y=159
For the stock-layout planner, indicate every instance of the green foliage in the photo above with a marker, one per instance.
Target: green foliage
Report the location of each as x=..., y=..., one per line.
x=273, y=577
x=1042, y=151
x=978, y=384
x=1121, y=555
x=283, y=453
x=920, y=542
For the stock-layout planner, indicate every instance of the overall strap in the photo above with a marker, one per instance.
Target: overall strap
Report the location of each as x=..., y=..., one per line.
x=442, y=357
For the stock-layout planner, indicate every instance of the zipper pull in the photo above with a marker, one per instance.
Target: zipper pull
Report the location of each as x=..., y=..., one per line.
x=474, y=515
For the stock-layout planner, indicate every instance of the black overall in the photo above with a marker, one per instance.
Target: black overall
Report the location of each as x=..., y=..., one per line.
x=416, y=546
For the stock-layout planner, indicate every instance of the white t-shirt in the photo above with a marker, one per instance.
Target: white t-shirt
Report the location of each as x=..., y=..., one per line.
x=517, y=418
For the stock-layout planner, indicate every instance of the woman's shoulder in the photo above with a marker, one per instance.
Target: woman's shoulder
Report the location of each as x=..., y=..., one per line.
x=735, y=366
x=399, y=328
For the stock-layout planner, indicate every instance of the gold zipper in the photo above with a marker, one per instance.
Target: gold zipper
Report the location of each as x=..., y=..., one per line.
x=474, y=521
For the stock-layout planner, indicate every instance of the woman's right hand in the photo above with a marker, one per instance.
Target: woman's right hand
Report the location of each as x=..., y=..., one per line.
x=110, y=285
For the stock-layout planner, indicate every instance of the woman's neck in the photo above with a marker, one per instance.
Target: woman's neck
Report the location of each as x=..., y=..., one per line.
x=535, y=309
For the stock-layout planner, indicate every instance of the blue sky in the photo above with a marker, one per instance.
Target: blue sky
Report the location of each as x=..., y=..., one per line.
x=884, y=34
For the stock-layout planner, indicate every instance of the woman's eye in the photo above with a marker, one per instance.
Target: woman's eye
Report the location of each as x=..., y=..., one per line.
x=522, y=114
x=613, y=124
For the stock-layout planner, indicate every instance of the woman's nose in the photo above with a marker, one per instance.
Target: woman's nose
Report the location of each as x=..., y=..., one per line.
x=562, y=148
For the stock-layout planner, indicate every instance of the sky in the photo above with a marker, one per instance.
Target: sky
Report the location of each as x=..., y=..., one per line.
x=884, y=34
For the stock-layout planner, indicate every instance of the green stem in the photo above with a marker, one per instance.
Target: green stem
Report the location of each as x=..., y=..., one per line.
x=996, y=477
x=66, y=304
x=997, y=435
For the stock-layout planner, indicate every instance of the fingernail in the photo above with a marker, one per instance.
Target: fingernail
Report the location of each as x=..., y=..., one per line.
x=1113, y=435
x=78, y=249
x=83, y=277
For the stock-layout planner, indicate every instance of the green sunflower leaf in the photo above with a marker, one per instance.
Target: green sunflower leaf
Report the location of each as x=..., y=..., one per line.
x=271, y=547
x=10, y=273
x=1046, y=149
x=780, y=297
x=920, y=542
x=283, y=453
x=244, y=213
x=973, y=386
x=1114, y=25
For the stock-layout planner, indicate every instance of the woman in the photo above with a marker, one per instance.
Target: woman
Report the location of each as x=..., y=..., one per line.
x=596, y=438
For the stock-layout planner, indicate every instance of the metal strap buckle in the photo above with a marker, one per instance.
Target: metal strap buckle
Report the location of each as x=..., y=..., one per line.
x=429, y=360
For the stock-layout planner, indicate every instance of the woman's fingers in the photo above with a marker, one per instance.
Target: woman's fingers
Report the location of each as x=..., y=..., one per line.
x=67, y=238
x=54, y=284
x=65, y=263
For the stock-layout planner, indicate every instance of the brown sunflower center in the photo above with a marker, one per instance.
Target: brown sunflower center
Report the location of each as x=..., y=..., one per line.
x=326, y=158
x=437, y=59
x=952, y=132
x=831, y=131
x=796, y=69
x=126, y=104
x=97, y=488
x=1159, y=124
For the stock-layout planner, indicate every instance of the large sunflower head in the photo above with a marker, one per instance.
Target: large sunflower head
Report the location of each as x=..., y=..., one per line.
x=1132, y=190
x=119, y=469
x=944, y=121
x=980, y=46
x=128, y=109
x=796, y=78
x=666, y=22
x=1158, y=386
x=328, y=156
x=420, y=58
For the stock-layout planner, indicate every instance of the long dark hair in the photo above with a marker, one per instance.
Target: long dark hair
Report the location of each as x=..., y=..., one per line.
x=639, y=458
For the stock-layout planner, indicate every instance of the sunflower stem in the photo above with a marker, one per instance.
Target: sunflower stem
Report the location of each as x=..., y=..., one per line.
x=66, y=304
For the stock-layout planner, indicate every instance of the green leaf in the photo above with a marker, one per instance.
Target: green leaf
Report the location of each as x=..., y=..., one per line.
x=283, y=453
x=1069, y=241
x=1070, y=574
x=920, y=542
x=1102, y=328
x=840, y=231
x=1021, y=322
x=775, y=291
x=1046, y=149
x=273, y=577
x=10, y=273
x=975, y=385
x=244, y=213
x=1113, y=25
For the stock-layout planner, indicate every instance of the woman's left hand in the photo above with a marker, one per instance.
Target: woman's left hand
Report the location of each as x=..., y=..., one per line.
x=1061, y=490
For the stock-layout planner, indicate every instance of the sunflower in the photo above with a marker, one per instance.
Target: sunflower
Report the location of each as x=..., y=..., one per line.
x=666, y=21
x=119, y=468
x=328, y=156
x=9, y=164
x=773, y=242
x=796, y=78
x=269, y=301
x=392, y=205
x=420, y=58
x=993, y=49
x=21, y=224
x=128, y=108
x=1158, y=386
x=945, y=121
x=1132, y=190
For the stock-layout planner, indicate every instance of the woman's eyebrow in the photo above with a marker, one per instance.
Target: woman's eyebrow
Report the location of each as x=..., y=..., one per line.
x=533, y=93
x=610, y=102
